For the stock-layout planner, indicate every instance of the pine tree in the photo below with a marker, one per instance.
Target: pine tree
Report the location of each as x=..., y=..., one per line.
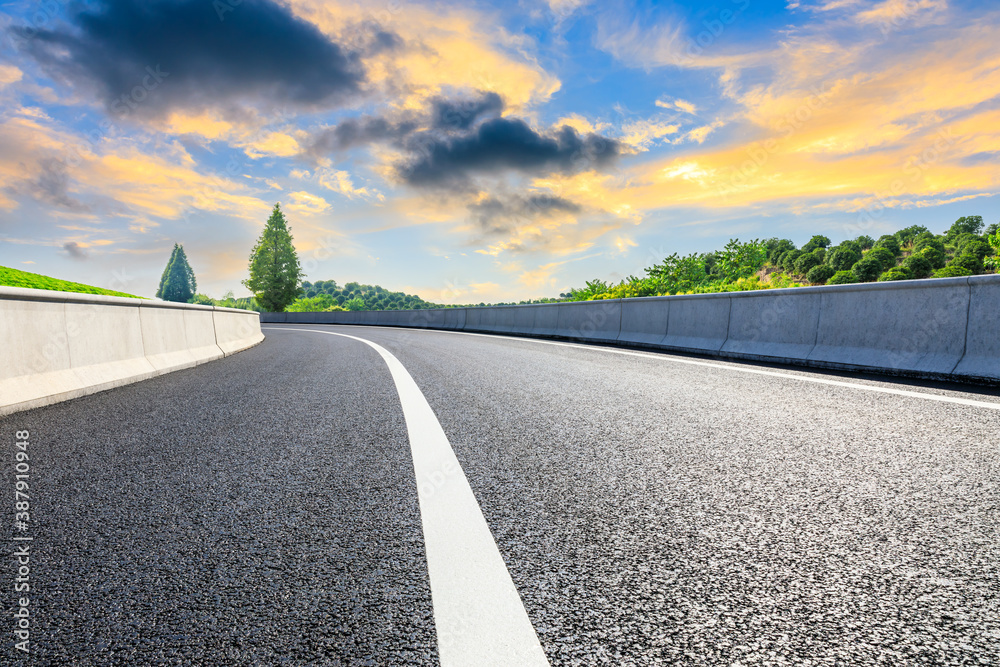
x=177, y=282
x=275, y=272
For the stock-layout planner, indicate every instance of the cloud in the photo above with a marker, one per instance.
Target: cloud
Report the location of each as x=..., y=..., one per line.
x=75, y=250
x=455, y=114
x=501, y=144
x=51, y=185
x=306, y=203
x=641, y=135
x=152, y=57
x=9, y=74
x=461, y=114
x=443, y=49
x=678, y=104
x=357, y=132
x=496, y=215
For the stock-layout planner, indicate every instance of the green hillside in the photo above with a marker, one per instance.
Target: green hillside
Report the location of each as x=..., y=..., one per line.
x=15, y=278
x=967, y=248
x=325, y=295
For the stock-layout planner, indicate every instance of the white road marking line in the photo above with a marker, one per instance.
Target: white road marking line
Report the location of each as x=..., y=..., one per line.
x=478, y=614
x=741, y=369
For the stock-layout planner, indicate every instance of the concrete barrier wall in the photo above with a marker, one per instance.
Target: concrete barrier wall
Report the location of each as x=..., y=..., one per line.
x=942, y=328
x=57, y=345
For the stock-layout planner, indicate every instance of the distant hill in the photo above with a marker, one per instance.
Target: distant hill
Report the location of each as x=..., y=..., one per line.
x=373, y=296
x=16, y=278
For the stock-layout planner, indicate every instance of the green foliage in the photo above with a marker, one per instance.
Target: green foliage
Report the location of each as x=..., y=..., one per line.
x=890, y=243
x=228, y=301
x=788, y=260
x=357, y=303
x=918, y=265
x=177, y=283
x=675, y=274
x=974, y=246
x=972, y=263
x=867, y=269
x=936, y=257
x=952, y=271
x=910, y=253
x=842, y=278
x=906, y=236
x=844, y=256
x=884, y=257
x=808, y=261
x=897, y=273
x=970, y=224
x=927, y=240
x=275, y=271
x=374, y=297
x=776, y=248
x=818, y=275
x=865, y=242
x=17, y=278
x=815, y=243
x=741, y=260
x=324, y=303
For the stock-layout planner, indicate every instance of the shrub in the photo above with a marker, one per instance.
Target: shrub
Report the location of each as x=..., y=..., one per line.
x=927, y=240
x=971, y=224
x=890, y=243
x=867, y=269
x=884, y=256
x=788, y=260
x=897, y=273
x=936, y=257
x=818, y=275
x=952, y=271
x=906, y=236
x=975, y=246
x=807, y=261
x=841, y=278
x=918, y=266
x=776, y=248
x=968, y=261
x=843, y=257
x=815, y=243
x=865, y=242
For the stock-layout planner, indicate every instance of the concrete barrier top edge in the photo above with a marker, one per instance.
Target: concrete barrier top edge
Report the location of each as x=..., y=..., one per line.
x=227, y=310
x=28, y=294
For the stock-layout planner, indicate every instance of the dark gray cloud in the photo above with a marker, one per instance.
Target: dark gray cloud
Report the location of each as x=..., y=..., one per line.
x=461, y=114
x=74, y=250
x=358, y=132
x=496, y=215
x=149, y=57
x=501, y=144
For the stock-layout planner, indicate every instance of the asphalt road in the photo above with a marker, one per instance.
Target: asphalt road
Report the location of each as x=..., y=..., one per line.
x=650, y=509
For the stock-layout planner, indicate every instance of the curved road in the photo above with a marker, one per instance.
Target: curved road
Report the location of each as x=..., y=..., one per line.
x=647, y=508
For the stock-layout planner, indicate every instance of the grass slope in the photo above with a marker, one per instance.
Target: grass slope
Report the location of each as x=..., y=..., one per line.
x=15, y=278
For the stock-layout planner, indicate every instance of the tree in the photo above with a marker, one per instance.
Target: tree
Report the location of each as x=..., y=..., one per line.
x=177, y=282
x=969, y=224
x=742, y=260
x=867, y=269
x=816, y=242
x=275, y=271
x=818, y=275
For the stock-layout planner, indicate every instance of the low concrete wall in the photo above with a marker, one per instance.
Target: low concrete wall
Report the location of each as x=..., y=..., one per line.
x=942, y=328
x=59, y=345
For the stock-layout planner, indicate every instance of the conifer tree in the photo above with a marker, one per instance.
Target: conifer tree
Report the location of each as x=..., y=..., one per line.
x=275, y=272
x=178, y=281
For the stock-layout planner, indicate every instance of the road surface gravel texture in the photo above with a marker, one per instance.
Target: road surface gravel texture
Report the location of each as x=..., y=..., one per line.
x=262, y=509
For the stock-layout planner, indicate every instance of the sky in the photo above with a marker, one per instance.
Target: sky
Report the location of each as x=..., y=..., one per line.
x=482, y=152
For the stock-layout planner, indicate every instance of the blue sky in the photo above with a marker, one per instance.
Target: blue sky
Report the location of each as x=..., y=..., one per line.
x=482, y=152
